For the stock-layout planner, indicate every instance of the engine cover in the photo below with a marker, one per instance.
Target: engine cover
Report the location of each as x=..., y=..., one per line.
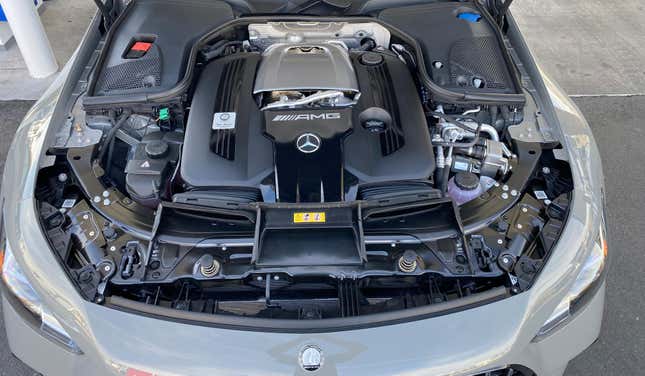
x=237, y=156
x=305, y=67
x=306, y=154
x=404, y=151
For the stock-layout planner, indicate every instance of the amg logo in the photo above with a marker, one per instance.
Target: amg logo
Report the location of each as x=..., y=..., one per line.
x=296, y=117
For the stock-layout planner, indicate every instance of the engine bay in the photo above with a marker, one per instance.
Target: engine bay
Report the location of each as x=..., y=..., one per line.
x=304, y=167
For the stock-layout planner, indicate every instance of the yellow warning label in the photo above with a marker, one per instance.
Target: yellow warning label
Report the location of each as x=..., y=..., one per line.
x=311, y=217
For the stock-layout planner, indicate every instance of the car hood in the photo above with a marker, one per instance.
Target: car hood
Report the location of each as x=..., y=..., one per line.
x=497, y=8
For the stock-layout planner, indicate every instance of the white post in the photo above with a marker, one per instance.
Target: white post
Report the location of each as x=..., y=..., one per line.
x=30, y=37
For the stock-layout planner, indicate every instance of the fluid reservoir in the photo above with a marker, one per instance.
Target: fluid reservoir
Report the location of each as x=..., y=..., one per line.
x=464, y=187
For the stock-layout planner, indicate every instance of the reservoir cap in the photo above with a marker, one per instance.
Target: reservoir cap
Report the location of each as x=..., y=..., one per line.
x=467, y=181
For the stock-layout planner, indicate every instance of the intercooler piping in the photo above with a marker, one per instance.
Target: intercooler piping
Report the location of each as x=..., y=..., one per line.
x=485, y=128
x=322, y=95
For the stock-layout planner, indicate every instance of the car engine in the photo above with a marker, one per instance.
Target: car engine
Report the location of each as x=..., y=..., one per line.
x=311, y=122
x=304, y=168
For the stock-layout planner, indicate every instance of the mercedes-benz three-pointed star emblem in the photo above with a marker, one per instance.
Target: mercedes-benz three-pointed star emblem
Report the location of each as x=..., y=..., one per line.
x=311, y=358
x=308, y=143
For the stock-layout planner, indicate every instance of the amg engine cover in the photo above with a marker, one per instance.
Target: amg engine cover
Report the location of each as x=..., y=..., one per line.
x=235, y=155
x=305, y=67
x=308, y=152
x=404, y=150
x=312, y=153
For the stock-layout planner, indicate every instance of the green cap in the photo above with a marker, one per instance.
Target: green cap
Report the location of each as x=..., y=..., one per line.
x=164, y=113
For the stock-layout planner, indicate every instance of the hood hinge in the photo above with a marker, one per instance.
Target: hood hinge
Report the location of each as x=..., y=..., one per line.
x=498, y=9
x=108, y=10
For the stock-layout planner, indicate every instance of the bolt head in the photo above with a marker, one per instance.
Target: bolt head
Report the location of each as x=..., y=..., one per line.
x=86, y=276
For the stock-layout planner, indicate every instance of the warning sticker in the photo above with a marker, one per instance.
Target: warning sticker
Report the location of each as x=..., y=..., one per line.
x=309, y=217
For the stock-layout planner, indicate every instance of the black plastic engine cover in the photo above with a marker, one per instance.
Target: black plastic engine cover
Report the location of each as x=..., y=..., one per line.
x=237, y=157
x=254, y=149
x=404, y=151
x=309, y=153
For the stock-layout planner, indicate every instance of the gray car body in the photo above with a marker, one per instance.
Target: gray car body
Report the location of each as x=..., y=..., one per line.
x=468, y=342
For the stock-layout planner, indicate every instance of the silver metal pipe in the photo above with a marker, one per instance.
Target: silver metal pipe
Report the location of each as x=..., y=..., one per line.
x=485, y=128
x=328, y=94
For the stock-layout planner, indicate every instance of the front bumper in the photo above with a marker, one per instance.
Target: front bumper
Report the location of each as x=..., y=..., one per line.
x=178, y=349
x=27, y=342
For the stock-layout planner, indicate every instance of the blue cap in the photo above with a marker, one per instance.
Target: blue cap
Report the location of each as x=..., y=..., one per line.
x=470, y=17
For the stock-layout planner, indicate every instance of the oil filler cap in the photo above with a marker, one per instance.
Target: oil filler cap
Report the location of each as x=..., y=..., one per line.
x=157, y=149
x=375, y=119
